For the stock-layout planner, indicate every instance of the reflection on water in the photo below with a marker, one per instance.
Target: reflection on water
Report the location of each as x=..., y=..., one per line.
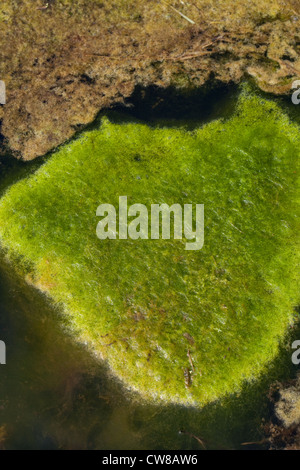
x=53, y=394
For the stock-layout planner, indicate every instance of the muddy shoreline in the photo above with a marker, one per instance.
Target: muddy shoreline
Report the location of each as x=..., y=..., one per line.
x=63, y=62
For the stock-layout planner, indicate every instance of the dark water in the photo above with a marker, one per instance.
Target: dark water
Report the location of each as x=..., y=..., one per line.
x=53, y=394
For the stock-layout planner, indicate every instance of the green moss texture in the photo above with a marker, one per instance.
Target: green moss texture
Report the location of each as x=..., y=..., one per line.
x=175, y=325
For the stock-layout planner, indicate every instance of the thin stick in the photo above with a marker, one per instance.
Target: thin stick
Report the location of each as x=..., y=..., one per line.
x=190, y=359
x=188, y=57
x=179, y=13
x=195, y=437
x=44, y=7
x=258, y=443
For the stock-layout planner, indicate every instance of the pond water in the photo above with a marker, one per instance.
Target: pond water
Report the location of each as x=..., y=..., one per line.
x=54, y=395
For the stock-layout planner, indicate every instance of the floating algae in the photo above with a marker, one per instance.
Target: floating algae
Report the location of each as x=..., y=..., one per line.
x=182, y=326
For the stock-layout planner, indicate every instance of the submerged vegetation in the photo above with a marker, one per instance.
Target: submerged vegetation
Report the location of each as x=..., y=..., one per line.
x=182, y=326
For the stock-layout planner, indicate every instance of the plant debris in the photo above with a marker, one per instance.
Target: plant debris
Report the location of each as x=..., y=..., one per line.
x=64, y=61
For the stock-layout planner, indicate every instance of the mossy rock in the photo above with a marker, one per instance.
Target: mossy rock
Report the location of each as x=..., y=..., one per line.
x=182, y=326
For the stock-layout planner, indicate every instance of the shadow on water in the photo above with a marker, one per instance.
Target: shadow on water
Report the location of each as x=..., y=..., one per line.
x=170, y=108
x=53, y=394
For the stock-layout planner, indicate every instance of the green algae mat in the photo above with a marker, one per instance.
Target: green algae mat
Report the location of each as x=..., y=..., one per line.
x=186, y=326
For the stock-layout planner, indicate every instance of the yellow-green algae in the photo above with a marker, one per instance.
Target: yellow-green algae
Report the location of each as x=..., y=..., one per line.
x=151, y=308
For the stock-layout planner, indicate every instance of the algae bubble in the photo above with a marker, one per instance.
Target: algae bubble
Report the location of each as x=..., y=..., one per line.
x=175, y=325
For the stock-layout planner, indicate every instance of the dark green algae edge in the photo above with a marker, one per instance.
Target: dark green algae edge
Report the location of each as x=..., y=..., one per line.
x=26, y=268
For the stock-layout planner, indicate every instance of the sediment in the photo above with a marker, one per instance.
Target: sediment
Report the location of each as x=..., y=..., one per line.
x=65, y=61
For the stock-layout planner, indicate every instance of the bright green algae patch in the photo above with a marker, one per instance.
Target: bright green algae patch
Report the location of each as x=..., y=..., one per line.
x=163, y=316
